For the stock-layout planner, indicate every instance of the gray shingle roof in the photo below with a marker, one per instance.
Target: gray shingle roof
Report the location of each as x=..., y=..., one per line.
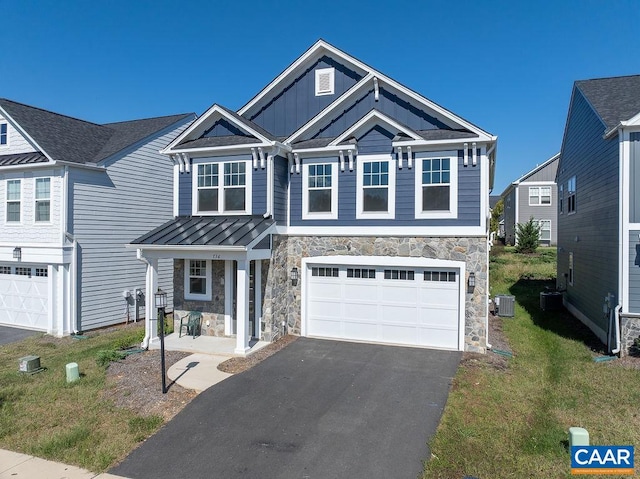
x=77, y=141
x=207, y=230
x=22, y=159
x=615, y=99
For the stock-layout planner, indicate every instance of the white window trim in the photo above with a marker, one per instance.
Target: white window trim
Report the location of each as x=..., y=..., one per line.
x=539, y=195
x=333, y=214
x=453, y=184
x=391, y=204
x=569, y=195
x=7, y=201
x=539, y=222
x=332, y=80
x=197, y=297
x=6, y=145
x=221, y=188
x=35, y=200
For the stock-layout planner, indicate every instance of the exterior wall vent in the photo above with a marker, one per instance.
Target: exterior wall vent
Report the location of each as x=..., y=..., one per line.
x=325, y=81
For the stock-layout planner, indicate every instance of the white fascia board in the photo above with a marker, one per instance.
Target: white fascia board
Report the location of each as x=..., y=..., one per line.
x=24, y=133
x=371, y=117
x=52, y=164
x=332, y=106
x=315, y=50
x=208, y=118
x=324, y=149
x=537, y=168
x=427, y=231
x=217, y=149
x=439, y=143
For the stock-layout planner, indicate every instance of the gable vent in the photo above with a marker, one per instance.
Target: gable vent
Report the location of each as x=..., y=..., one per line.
x=325, y=81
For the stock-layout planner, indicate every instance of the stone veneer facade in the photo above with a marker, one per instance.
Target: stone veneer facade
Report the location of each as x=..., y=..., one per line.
x=281, y=302
x=629, y=332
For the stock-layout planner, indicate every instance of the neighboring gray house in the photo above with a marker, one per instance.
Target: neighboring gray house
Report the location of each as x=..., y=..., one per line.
x=599, y=209
x=336, y=203
x=72, y=194
x=533, y=195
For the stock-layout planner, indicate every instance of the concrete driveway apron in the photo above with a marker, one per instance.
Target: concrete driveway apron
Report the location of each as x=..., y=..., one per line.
x=317, y=409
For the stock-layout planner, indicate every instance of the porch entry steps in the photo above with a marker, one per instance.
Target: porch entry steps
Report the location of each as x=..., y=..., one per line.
x=206, y=344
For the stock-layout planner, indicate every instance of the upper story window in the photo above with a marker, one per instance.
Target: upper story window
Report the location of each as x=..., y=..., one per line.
x=437, y=185
x=571, y=195
x=4, y=135
x=539, y=195
x=13, y=200
x=43, y=199
x=320, y=191
x=197, y=280
x=222, y=188
x=376, y=187
x=561, y=199
x=325, y=81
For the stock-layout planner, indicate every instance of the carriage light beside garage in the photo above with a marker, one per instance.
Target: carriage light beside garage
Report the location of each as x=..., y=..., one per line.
x=17, y=253
x=294, y=276
x=472, y=281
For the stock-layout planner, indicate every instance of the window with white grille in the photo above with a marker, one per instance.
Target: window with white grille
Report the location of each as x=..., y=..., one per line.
x=325, y=81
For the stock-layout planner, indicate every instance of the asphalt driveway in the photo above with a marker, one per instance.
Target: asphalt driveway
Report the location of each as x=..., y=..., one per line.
x=11, y=335
x=317, y=409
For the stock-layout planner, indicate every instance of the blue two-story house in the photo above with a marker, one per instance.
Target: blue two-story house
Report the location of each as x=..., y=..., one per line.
x=337, y=203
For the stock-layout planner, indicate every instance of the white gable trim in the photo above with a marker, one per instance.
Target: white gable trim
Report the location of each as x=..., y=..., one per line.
x=374, y=117
x=316, y=50
x=207, y=120
x=24, y=133
x=536, y=169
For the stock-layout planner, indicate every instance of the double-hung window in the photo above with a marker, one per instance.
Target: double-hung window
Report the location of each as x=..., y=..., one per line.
x=222, y=188
x=571, y=195
x=320, y=191
x=4, y=135
x=539, y=195
x=436, y=184
x=13, y=200
x=43, y=199
x=197, y=280
x=545, y=230
x=376, y=187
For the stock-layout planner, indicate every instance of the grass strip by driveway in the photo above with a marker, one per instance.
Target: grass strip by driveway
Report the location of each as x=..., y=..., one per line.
x=514, y=423
x=75, y=423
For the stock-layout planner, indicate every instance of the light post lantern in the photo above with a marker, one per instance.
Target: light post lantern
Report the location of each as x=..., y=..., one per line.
x=161, y=304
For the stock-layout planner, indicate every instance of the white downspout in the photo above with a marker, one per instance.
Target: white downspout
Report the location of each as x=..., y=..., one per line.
x=617, y=322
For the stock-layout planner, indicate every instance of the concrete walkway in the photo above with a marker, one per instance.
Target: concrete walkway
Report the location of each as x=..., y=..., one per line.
x=198, y=371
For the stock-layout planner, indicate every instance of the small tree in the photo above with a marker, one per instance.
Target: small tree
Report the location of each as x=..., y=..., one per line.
x=496, y=213
x=527, y=236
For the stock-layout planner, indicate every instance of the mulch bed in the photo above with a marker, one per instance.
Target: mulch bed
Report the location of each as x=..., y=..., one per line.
x=238, y=365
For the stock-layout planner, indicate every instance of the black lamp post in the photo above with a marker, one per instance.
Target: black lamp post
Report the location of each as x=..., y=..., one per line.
x=161, y=303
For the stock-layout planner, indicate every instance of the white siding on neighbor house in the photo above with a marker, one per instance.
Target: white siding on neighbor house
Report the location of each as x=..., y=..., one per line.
x=28, y=231
x=17, y=143
x=110, y=209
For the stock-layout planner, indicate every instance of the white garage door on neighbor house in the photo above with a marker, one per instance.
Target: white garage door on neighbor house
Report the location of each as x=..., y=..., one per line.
x=24, y=296
x=411, y=303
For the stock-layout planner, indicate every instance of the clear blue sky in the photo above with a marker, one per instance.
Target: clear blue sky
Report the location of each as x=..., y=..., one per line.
x=507, y=66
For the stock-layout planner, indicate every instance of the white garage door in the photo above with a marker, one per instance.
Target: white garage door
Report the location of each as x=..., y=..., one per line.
x=24, y=297
x=409, y=306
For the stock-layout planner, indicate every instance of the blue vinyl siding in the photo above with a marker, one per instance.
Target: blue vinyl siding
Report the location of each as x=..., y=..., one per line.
x=591, y=233
x=389, y=103
x=376, y=140
x=281, y=184
x=634, y=272
x=223, y=128
x=634, y=175
x=296, y=103
x=259, y=191
x=468, y=199
x=184, y=194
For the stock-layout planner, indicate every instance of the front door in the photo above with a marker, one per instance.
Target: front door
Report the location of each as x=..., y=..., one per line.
x=252, y=309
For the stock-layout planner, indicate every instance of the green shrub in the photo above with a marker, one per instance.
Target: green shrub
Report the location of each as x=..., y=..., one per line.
x=106, y=356
x=528, y=236
x=133, y=338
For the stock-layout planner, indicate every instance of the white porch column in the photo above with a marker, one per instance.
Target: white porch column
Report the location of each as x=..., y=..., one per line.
x=151, y=315
x=257, y=297
x=242, y=309
x=228, y=298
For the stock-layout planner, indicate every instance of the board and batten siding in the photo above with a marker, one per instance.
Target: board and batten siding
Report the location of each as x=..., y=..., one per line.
x=468, y=198
x=634, y=175
x=28, y=231
x=591, y=233
x=110, y=209
x=16, y=142
x=634, y=271
x=538, y=212
x=296, y=103
x=280, y=188
x=510, y=217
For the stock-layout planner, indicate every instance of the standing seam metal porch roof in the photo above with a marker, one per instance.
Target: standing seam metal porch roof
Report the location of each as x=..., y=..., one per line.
x=221, y=231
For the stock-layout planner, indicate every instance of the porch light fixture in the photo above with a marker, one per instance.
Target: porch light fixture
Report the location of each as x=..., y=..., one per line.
x=161, y=303
x=17, y=253
x=472, y=280
x=294, y=276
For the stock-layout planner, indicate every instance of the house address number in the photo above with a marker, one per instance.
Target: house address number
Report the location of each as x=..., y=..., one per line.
x=216, y=256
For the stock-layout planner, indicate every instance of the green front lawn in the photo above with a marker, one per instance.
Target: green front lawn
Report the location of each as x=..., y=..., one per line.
x=513, y=422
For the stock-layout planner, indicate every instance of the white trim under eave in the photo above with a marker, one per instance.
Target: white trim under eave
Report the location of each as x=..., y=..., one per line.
x=216, y=149
x=371, y=117
x=438, y=143
x=384, y=231
x=51, y=164
x=325, y=149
